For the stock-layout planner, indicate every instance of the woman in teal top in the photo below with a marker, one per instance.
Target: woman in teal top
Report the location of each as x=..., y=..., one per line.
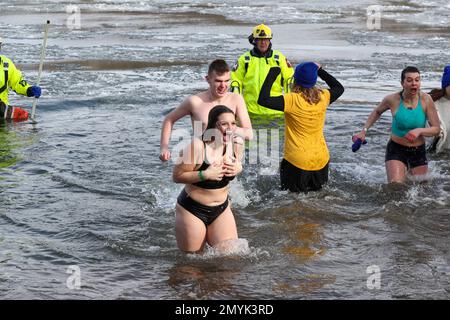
x=410, y=110
x=407, y=118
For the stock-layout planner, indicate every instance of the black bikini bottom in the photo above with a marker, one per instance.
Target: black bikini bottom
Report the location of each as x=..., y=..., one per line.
x=205, y=213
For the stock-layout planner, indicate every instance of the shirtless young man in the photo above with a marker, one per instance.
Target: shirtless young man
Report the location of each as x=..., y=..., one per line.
x=199, y=105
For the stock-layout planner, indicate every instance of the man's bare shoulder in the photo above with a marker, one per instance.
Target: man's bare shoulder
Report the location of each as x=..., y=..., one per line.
x=197, y=100
x=235, y=100
x=200, y=107
x=235, y=96
x=191, y=100
x=191, y=104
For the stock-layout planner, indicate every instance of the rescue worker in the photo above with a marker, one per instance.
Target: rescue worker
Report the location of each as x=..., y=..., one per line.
x=252, y=68
x=11, y=78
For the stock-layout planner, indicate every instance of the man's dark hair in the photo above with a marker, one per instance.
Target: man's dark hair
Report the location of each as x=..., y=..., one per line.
x=219, y=66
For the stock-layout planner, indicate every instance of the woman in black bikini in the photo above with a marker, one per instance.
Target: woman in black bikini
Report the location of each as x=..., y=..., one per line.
x=206, y=166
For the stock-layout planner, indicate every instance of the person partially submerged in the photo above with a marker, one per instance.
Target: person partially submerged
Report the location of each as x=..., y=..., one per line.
x=206, y=166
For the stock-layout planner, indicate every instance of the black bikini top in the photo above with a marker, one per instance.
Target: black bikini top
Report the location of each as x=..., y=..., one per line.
x=211, y=184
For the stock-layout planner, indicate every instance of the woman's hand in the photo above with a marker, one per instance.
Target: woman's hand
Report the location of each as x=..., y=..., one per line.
x=413, y=134
x=164, y=155
x=361, y=135
x=237, y=139
x=231, y=167
x=214, y=172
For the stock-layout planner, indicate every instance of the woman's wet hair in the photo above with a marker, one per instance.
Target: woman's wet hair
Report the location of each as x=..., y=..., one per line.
x=436, y=94
x=409, y=69
x=311, y=95
x=214, y=115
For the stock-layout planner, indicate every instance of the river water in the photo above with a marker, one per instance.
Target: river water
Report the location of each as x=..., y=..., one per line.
x=83, y=195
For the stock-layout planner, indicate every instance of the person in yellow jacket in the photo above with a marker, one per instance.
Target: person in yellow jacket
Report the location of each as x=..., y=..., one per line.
x=11, y=78
x=252, y=68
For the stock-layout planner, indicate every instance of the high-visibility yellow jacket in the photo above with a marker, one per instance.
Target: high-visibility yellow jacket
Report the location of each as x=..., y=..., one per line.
x=11, y=77
x=250, y=72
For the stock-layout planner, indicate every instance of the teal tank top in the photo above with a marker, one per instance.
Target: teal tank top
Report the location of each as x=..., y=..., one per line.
x=408, y=119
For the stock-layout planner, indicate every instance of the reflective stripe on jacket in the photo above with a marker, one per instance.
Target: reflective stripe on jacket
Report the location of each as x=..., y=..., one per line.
x=249, y=74
x=11, y=78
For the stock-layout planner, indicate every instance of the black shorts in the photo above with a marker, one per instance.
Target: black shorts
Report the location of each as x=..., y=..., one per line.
x=411, y=156
x=297, y=180
x=205, y=213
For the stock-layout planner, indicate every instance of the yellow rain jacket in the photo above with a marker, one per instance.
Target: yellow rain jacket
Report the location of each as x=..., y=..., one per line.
x=250, y=72
x=11, y=77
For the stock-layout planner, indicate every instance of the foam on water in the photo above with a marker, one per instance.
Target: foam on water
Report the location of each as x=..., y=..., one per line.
x=239, y=195
x=233, y=249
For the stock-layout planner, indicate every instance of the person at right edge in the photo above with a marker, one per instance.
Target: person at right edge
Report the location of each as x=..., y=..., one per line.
x=306, y=158
x=251, y=70
x=441, y=98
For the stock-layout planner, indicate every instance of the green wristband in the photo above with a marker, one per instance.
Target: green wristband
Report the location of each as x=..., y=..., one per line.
x=200, y=175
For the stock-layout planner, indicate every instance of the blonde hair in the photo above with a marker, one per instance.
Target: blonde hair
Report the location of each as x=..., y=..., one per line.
x=311, y=95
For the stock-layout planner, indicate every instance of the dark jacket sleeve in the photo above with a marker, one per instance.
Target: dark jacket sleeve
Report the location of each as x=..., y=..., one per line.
x=275, y=103
x=336, y=88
